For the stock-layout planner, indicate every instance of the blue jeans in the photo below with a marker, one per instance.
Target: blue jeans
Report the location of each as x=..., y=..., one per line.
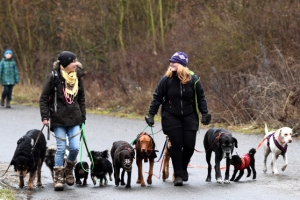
x=7, y=92
x=74, y=143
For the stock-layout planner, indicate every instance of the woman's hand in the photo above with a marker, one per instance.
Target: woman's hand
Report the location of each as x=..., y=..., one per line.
x=45, y=121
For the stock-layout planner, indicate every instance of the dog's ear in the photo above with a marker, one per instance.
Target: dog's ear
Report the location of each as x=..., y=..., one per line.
x=235, y=142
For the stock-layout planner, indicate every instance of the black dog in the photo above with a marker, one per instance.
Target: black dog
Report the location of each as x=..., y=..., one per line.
x=81, y=170
x=29, y=157
x=102, y=166
x=241, y=163
x=50, y=157
x=122, y=155
x=222, y=143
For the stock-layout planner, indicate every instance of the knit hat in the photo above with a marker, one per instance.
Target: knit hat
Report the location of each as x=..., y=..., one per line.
x=179, y=57
x=65, y=58
x=8, y=51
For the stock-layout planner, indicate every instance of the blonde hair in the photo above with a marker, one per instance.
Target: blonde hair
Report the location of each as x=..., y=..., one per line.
x=183, y=73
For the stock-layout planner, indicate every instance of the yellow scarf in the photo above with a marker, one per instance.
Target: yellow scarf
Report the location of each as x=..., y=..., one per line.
x=71, y=84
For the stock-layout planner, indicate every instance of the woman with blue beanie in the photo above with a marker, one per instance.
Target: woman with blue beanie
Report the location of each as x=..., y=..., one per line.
x=182, y=97
x=9, y=76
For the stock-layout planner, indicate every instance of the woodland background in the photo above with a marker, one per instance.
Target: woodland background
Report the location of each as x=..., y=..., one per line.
x=245, y=52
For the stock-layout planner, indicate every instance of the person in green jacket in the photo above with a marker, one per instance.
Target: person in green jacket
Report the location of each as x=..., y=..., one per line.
x=67, y=111
x=9, y=76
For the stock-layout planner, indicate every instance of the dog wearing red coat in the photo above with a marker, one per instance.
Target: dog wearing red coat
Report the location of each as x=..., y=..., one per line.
x=247, y=161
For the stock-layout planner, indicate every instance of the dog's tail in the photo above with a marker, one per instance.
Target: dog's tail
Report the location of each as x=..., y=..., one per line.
x=252, y=151
x=266, y=129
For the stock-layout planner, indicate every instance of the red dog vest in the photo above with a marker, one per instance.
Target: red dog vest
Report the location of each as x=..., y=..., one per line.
x=245, y=162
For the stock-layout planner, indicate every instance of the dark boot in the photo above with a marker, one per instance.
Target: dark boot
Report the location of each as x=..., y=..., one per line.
x=58, y=178
x=8, y=104
x=69, y=168
x=185, y=175
x=178, y=181
x=2, y=102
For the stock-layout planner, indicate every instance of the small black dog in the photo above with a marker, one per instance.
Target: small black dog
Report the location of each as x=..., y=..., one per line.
x=50, y=157
x=241, y=163
x=122, y=155
x=29, y=157
x=81, y=170
x=222, y=143
x=102, y=166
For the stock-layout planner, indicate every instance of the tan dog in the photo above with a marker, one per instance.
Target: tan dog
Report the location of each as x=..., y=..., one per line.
x=145, y=149
x=276, y=142
x=166, y=160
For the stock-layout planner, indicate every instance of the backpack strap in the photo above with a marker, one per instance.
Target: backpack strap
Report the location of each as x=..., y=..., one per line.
x=55, y=80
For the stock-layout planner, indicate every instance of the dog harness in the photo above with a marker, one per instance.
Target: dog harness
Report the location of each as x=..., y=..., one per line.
x=282, y=149
x=245, y=162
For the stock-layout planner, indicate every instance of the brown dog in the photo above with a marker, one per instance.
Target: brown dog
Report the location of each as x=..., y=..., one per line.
x=145, y=149
x=166, y=160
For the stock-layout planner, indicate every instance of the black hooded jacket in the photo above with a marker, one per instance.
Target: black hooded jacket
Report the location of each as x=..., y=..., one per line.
x=179, y=103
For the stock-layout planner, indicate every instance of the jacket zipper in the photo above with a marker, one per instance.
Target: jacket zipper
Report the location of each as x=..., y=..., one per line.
x=181, y=105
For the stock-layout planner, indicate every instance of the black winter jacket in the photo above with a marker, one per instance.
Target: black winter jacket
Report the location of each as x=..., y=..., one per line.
x=178, y=103
x=67, y=114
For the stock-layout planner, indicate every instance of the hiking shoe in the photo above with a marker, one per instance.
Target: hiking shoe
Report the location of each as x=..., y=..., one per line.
x=178, y=181
x=185, y=175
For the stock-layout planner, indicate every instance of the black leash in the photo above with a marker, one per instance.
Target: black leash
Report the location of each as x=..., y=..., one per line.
x=41, y=131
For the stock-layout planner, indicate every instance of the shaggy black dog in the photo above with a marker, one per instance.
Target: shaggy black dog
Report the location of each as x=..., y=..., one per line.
x=247, y=161
x=50, y=157
x=122, y=155
x=102, y=166
x=222, y=143
x=29, y=157
x=81, y=170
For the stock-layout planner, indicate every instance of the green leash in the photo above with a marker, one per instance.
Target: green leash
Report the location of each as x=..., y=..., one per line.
x=80, y=150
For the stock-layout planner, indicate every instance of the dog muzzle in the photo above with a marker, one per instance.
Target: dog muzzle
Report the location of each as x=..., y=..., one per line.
x=227, y=153
x=127, y=165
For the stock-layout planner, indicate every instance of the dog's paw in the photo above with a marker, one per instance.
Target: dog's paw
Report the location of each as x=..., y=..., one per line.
x=39, y=184
x=283, y=167
x=219, y=180
x=226, y=181
x=231, y=179
x=78, y=182
x=208, y=179
x=128, y=186
x=265, y=170
x=123, y=183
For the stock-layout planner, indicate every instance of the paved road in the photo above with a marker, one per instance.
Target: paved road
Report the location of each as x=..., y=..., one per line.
x=102, y=131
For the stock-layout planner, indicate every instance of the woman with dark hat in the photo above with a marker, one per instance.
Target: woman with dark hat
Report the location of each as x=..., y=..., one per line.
x=182, y=97
x=67, y=113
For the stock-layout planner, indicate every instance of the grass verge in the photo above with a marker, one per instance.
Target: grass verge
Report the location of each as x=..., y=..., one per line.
x=6, y=194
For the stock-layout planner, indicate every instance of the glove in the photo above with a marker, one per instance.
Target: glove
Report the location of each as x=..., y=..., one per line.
x=205, y=119
x=150, y=120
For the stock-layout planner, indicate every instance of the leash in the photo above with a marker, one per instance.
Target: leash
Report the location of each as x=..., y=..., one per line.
x=79, y=132
x=82, y=131
x=162, y=151
x=259, y=145
x=41, y=131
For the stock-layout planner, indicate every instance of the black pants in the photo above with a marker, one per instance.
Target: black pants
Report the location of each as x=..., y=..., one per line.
x=183, y=145
x=7, y=92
